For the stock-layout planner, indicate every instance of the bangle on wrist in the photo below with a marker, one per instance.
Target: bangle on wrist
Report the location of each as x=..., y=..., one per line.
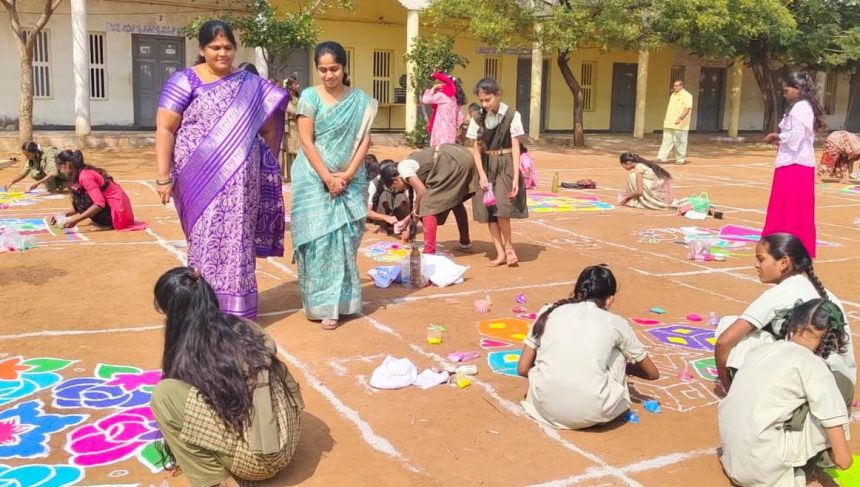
x=163, y=182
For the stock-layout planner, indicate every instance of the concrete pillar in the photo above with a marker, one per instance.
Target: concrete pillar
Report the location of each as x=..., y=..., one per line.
x=81, y=67
x=536, y=88
x=411, y=102
x=736, y=80
x=641, y=94
x=261, y=62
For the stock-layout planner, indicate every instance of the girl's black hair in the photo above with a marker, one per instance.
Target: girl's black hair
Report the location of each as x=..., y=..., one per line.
x=661, y=173
x=337, y=52
x=461, y=95
x=806, y=87
x=781, y=245
x=33, y=148
x=821, y=315
x=219, y=354
x=209, y=31
x=488, y=85
x=387, y=173
x=596, y=283
x=371, y=166
x=249, y=67
x=474, y=107
x=75, y=159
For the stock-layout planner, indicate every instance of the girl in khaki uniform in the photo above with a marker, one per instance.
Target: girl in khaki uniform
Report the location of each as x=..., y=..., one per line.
x=229, y=410
x=576, y=357
x=497, y=159
x=784, y=408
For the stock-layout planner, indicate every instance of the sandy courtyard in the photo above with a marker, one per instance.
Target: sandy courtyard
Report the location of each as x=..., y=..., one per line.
x=80, y=342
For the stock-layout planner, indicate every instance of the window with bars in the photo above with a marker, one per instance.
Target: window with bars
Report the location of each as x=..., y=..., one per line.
x=382, y=83
x=41, y=65
x=586, y=82
x=491, y=67
x=830, y=94
x=98, y=72
x=678, y=73
x=350, y=55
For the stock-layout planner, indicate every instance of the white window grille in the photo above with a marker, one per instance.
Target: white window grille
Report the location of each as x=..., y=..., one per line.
x=382, y=83
x=42, y=87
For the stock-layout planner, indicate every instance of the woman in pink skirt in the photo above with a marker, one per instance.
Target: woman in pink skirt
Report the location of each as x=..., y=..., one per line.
x=792, y=198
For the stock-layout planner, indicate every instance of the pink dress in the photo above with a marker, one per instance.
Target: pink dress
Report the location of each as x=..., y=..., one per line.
x=791, y=208
x=448, y=117
x=114, y=197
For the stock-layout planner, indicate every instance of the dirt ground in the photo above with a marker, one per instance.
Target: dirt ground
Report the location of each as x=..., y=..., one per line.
x=90, y=301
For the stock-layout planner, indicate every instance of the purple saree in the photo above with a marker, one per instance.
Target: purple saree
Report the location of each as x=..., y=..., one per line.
x=227, y=183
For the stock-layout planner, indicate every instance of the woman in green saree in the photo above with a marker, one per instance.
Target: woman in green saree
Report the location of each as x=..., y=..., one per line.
x=329, y=194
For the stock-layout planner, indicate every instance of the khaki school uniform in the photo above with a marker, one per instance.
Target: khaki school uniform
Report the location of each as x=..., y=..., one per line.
x=46, y=166
x=762, y=312
x=777, y=378
x=578, y=379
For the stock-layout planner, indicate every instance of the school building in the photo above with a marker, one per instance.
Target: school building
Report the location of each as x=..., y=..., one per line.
x=102, y=63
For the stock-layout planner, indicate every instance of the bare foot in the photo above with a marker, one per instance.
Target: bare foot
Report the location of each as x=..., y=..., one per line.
x=497, y=262
x=329, y=324
x=511, y=257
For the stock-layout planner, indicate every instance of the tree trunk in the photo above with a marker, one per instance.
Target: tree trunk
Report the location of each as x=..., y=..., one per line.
x=852, y=123
x=25, y=106
x=764, y=80
x=576, y=91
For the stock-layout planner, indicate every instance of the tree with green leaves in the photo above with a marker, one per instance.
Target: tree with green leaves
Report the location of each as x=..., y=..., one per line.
x=277, y=33
x=25, y=40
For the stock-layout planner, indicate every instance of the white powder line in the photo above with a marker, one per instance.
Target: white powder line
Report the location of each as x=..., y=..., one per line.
x=690, y=286
x=166, y=246
x=56, y=333
x=644, y=465
x=693, y=273
x=412, y=299
x=284, y=268
x=282, y=312
x=375, y=441
x=508, y=405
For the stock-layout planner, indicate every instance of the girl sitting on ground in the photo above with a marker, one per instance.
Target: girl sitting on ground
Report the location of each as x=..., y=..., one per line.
x=41, y=166
x=386, y=206
x=648, y=184
x=576, y=357
x=781, y=259
x=95, y=195
x=784, y=409
x=228, y=408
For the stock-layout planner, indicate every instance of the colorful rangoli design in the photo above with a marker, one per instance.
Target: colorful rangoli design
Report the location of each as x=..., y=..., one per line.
x=504, y=362
x=544, y=202
x=120, y=427
x=706, y=368
x=20, y=378
x=506, y=329
x=685, y=336
x=395, y=251
x=41, y=229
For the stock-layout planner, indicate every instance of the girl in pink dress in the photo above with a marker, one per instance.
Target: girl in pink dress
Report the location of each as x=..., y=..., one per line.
x=792, y=199
x=446, y=99
x=94, y=194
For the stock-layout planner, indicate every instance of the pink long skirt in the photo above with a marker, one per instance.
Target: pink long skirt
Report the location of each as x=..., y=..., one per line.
x=792, y=204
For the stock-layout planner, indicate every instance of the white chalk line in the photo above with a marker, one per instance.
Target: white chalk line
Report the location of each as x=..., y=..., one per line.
x=508, y=405
x=375, y=441
x=644, y=465
x=57, y=333
x=286, y=269
x=169, y=248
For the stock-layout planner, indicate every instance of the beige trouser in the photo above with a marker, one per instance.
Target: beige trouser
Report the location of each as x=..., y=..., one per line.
x=678, y=140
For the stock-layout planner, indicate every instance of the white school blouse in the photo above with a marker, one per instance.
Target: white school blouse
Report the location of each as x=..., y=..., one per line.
x=578, y=379
x=785, y=295
x=776, y=379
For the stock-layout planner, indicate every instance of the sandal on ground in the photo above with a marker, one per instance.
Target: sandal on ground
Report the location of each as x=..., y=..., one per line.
x=465, y=247
x=329, y=324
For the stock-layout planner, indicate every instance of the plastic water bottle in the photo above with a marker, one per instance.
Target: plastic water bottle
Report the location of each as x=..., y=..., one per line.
x=405, y=272
x=713, y=320
x=415, y=267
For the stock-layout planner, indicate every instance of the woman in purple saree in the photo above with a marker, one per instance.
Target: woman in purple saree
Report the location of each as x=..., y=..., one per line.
x=218, y=134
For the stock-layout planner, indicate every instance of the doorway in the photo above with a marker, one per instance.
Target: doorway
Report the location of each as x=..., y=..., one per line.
x=524, y=89
x=154, y=59
x=712, y=89
x=623, y=113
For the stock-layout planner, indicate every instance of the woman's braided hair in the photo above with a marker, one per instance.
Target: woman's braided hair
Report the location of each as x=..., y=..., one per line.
x=824, y=313
x=596, y=283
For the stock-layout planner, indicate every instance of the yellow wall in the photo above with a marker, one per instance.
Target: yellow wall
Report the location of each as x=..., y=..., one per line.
x=381, y=24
